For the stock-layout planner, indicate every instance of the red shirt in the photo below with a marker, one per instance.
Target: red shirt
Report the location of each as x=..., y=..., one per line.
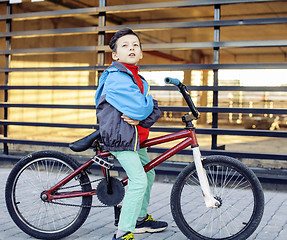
x=143, y=132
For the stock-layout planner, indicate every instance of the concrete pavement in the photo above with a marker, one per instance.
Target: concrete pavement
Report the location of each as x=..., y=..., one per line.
x=99, y=225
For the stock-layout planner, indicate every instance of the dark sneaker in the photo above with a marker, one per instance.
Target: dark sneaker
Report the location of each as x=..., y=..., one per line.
x=127, y=236
x=150, y=225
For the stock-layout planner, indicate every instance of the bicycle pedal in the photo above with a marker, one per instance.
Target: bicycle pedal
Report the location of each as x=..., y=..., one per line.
x=102, y=162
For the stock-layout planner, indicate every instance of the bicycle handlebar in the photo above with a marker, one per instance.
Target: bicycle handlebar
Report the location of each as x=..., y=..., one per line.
x=183, y=90
x=173, y=81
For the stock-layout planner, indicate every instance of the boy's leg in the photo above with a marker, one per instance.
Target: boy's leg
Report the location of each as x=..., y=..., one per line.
x=145, y=222
x=150, y=179
x=137, y=185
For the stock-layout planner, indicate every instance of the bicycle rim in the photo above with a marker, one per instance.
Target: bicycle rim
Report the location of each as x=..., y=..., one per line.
x=240, y=196
x=35, y=177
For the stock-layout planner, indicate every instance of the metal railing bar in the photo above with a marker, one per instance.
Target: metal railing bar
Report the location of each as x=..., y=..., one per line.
x=4, y=87
x=222, y=88
x=148, y=26
x=180, y=4
x=206, y=131
x=30, y=51
x=34, y=142
x=231, y=132
x=51, y=14
x=54, y=69
x=154, y=46
x=123, y=8
x=163, y=108
x=195, y=24
x=191, y=45
x=155, y=88
x=263, y=156
x=227, y=110
x=42, y=124
x=62, y=106
x=169, y=67
x=237, y=132
x=240, y=155
x=49, y=32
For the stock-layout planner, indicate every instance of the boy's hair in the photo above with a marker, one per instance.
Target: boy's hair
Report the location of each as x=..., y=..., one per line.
x=119, y=34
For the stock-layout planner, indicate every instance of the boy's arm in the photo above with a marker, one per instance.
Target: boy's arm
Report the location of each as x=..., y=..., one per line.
x=153, y=117
x=124, y=95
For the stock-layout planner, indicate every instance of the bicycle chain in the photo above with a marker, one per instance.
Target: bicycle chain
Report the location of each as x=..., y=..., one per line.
x=76, y=205
x=83, y=184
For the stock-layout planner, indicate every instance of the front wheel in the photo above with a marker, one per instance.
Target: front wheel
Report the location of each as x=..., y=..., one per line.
x=237, y=189
x=36, y=173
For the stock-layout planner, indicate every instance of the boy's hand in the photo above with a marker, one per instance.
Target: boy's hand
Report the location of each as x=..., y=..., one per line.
x=130, y=120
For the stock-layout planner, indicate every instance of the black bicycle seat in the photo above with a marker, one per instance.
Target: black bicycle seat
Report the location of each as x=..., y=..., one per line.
x=84, y=143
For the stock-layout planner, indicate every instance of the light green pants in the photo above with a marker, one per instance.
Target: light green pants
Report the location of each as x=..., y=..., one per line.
x=137, y=196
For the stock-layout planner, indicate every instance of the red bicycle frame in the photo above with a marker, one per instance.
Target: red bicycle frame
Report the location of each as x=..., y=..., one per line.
x=188, y=133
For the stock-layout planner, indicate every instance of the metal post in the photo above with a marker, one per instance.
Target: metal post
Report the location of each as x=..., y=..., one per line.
x=7, y=64
x=101, y=35
x=215, y=76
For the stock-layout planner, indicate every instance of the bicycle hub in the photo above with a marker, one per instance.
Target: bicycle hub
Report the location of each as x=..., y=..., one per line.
x=44, y=197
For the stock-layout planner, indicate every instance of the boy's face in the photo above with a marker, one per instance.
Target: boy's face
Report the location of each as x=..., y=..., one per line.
x=128, y=50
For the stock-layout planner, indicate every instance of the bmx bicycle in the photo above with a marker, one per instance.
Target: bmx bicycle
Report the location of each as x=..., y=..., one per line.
x=49, y=194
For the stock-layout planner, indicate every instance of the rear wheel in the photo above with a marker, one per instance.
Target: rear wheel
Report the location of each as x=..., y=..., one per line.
x=237, y=189
x=36, y=173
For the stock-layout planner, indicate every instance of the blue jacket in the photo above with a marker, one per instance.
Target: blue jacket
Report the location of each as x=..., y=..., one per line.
x=119, y=94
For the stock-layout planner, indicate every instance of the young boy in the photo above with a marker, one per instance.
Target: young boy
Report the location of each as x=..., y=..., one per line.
x=125, y=112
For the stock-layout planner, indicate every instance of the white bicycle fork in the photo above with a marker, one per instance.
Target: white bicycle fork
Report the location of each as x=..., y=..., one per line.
x=210, y=201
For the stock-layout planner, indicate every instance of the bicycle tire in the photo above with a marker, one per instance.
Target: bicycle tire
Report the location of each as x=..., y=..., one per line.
x=34, y=174
x=235, y=186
